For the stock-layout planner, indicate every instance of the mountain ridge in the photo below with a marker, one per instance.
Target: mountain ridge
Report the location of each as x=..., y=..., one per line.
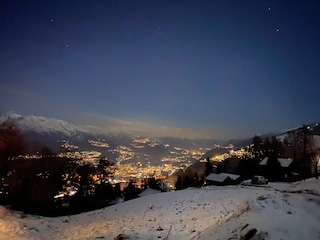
x=49, y=130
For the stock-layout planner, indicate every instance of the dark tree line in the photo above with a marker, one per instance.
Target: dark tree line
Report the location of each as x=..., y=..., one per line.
x=35, y=185
x=32, y=185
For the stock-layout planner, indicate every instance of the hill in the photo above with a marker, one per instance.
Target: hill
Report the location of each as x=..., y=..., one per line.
x=276, y=211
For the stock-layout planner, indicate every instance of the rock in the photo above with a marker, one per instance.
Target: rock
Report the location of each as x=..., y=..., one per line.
x=249, y=234
x=159, y=229
x=122, y=237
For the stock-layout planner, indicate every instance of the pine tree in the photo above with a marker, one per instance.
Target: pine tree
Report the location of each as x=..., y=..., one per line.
x=209, y=167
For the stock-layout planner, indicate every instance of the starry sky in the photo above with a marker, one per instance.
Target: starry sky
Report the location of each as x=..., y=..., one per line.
x=224, y=69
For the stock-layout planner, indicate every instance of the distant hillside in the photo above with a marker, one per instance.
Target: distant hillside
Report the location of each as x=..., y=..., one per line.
x=41, y=131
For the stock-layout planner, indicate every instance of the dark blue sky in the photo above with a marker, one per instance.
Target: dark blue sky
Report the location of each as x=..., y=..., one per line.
x=213, y=68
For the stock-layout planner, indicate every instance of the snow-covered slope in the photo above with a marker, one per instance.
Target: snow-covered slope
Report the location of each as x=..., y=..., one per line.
x=42, y=125
x=279, y=211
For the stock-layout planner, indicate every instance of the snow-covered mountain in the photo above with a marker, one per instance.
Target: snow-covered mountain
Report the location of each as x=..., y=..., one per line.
x=41, y=131
x=42, y=125
x=276, y=211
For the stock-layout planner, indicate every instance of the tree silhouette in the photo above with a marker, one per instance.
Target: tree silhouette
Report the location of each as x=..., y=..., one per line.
x=179, y=183
x=12, y=141
x=257, y=147
x=131, y=191
x=248, y=166
x=209, y=167
x=154, y=184
x=274, y=169
x=314, y=156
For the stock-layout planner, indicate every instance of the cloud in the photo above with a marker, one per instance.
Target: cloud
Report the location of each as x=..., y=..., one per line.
x=114, y=125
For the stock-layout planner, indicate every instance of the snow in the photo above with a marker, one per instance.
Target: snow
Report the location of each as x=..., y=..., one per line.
x=216, y=177
x=278, y=211
x=232, y=176
x=221, y=177
x=42, y=125
x=148, y=192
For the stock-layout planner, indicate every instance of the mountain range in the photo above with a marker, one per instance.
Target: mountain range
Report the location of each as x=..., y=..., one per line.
x=49, y=132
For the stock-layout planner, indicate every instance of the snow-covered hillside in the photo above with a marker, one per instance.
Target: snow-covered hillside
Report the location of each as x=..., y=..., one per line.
x=42, y=125
x=277, y=211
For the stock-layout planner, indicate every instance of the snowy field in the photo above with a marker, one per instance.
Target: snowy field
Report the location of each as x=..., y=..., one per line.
x=275, y=211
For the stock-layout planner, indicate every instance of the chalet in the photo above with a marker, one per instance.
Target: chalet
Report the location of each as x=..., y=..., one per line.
x=222, y=179
x=284, y=162
x=288, y=167
x=235, y=178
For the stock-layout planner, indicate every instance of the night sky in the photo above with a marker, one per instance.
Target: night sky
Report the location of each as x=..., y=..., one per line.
x=225, y=69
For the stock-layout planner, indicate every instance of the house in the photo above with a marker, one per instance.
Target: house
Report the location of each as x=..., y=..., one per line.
x=235, y=178
x=287, y=165
x=284, y=162
x=221, y=179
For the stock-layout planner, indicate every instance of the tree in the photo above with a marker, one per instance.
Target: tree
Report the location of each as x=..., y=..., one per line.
x=267, y=146
x=198, y=181
x=274, y=169
x=104, y=194
x=209, y=167
x=186, y=178
x=153, y=183
x=131, y=191
x=102, y=165
x=85, y=182
x=117, y=190
x=33, y=183
x=248, y=166
x=314, y=156
x=12, y=144
x=276, y=147
x=257, y=146
x=12, y=141
x=306, y=139
x=179, y=183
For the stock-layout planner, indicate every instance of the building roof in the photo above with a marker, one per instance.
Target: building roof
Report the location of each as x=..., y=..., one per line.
x=284, y=162
x=216, y=177
x=234, y=177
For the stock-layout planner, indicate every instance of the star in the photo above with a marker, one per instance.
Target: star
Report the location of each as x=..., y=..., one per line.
x=269, y=9
x=67, y=45
x=277, y=30
x=52, y=20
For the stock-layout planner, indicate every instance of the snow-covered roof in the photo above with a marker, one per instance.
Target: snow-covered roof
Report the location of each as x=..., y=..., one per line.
x=234, y=177
x=284, y=162
x=216, y=177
